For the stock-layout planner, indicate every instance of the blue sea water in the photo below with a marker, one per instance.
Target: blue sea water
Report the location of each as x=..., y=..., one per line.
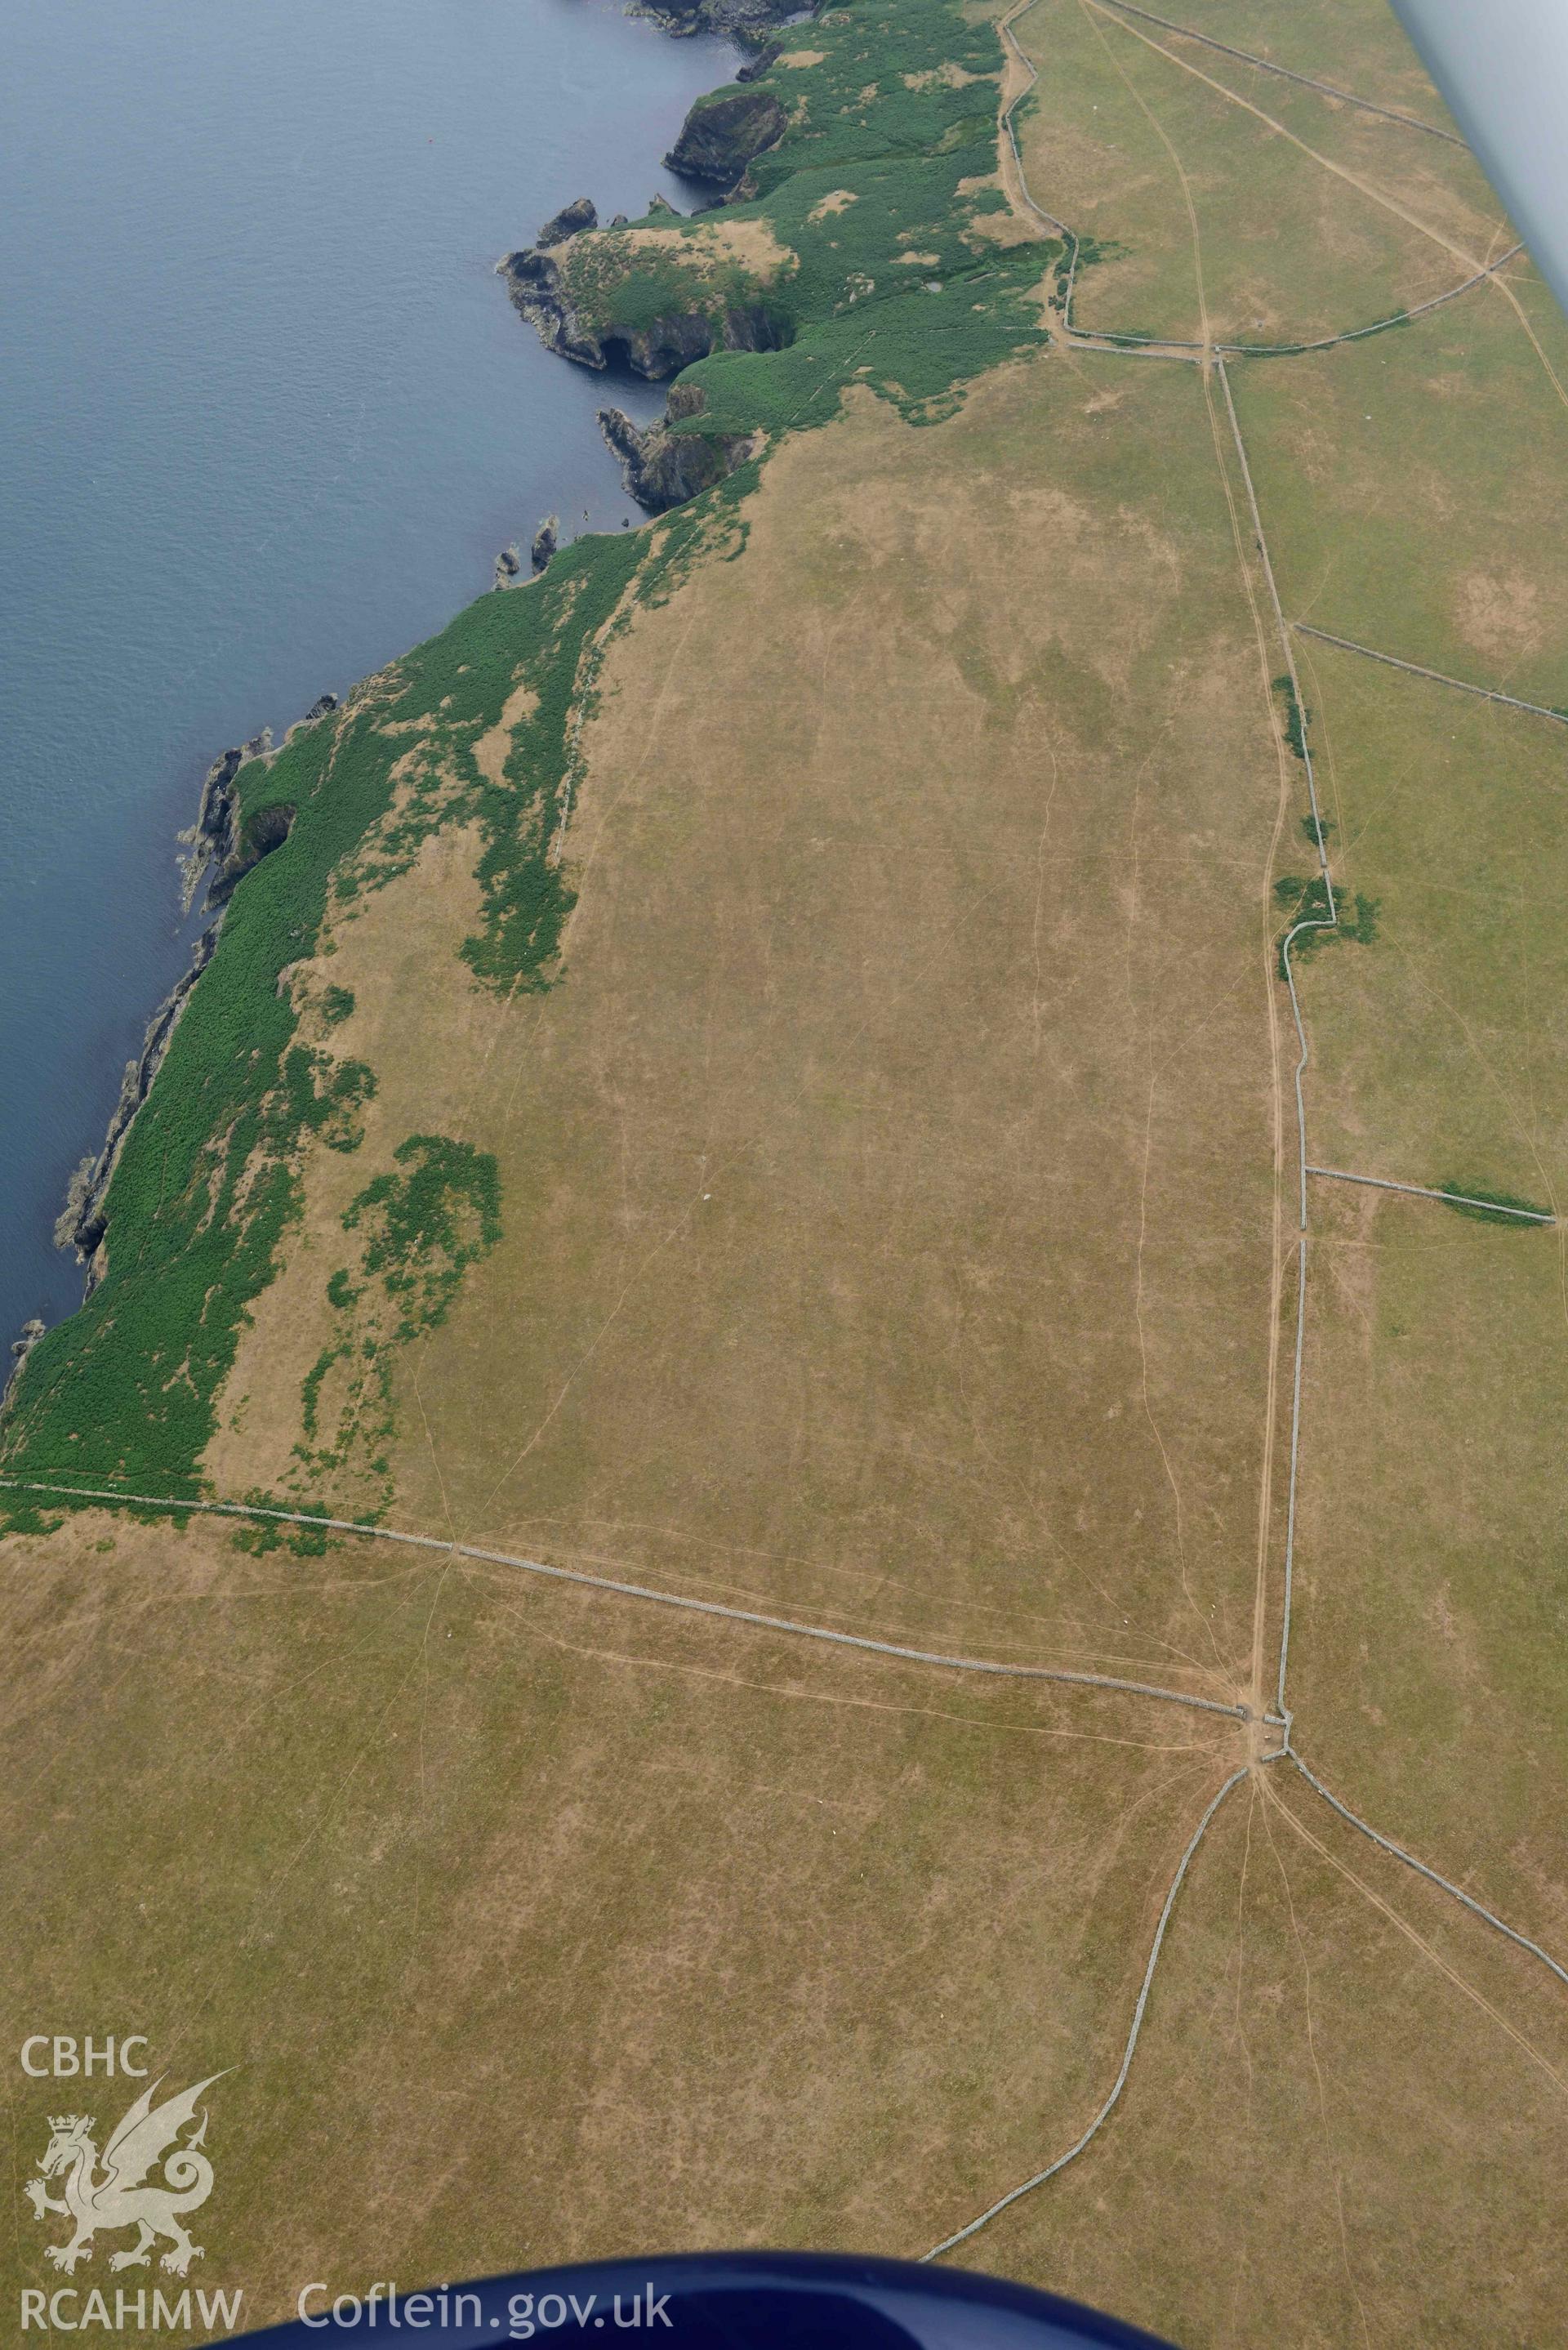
x=265, y=417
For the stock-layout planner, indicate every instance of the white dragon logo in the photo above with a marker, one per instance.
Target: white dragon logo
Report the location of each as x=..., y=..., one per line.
x=117, y=2197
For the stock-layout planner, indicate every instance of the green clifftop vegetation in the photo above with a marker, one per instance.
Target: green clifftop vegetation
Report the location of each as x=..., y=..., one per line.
x=880, y=190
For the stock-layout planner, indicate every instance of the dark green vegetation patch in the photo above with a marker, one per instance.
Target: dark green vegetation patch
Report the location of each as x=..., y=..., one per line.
x=420, y=1224
x=1296, y=714
x=891, y=284
x=1306, y=900
x=1475, y=1199
x=426, y=1222
x=621, y=285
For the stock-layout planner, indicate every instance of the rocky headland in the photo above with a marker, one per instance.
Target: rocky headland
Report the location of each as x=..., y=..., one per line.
x=655, y=349
x=749, y=21
x=586, y=291
x=220, y=849
x=725, y=133
x=663, y=468
x=82, y=1222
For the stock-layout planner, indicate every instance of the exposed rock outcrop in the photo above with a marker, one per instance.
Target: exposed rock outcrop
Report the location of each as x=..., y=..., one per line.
x=742, y=20
x=217, y=844
x=20, y=1349
x=534, y=283
x=657, y=350
x=220, y=844
x=663, y=468
x=570, y=221
x=81, y=1224
x=755, y=67
x=213, y=838
x=213, y=843
x=508, y=565
x=261, y=837
x=322, y=707
x=546, y=542
x=725, y=132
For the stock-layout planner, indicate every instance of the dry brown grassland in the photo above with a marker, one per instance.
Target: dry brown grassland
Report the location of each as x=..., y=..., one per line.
x=900, y=1240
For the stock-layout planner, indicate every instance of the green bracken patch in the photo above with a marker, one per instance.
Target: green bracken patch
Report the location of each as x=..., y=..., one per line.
x=874, y=191
x=425, y=1224
x=419, y=1225
x=1296, y=714
x=21, y=1514
x=620, y=284
x=1476, y=1201
x=1305, y=902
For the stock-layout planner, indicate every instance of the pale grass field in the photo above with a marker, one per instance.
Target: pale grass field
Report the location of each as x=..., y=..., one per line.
x=898, y=1235
x=1306, y=217
x=890, y=1235
x=537, y=1932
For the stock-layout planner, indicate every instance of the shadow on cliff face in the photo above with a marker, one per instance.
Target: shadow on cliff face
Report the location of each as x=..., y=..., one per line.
x=654, y=351
x=226, y=849
x=663, y=468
